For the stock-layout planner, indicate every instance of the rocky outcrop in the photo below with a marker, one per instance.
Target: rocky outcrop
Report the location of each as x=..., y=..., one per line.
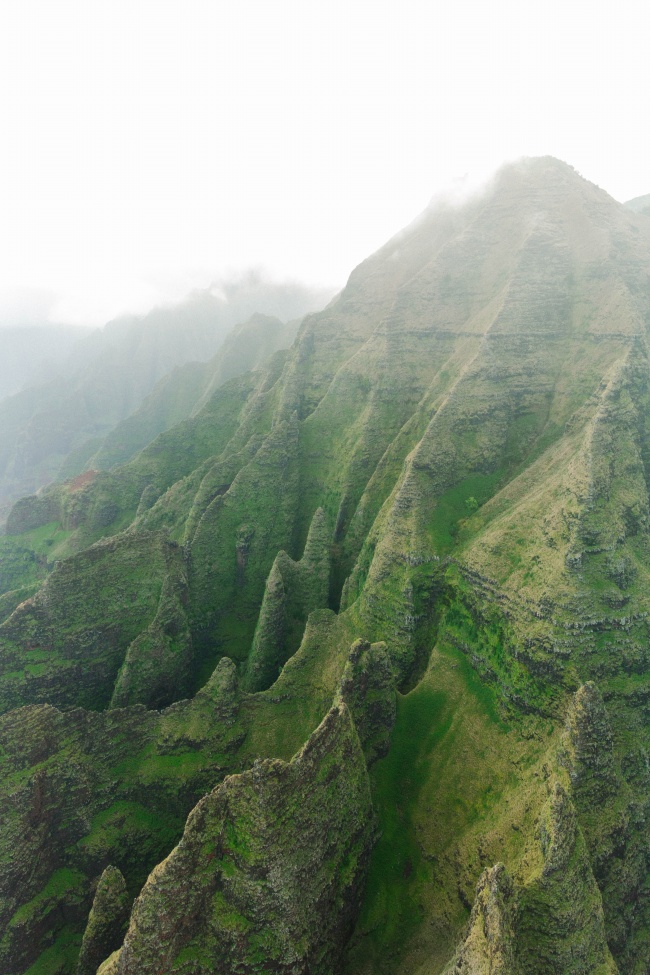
x=590, y=748
x=269, y=871
x=561, y=926
x=106, y=922
x=368, y=689
x=614, y=816
x=293, y=590
x=553, y=923
x=80, y=790
x=269, y=652
x=488, y=948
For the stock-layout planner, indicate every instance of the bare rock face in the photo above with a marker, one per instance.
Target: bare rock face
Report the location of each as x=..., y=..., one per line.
x=106, y=923
x=269, y=871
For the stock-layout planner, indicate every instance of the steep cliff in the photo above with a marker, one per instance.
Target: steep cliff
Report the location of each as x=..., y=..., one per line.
x=432, y=510
x=261, y=858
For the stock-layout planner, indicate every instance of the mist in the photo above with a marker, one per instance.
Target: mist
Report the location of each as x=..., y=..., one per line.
x=149, y=147
x=33, y=348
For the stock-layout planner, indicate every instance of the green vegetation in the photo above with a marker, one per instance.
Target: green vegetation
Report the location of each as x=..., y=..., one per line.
x=436, y=787
x=455, y=505
x=348, y=669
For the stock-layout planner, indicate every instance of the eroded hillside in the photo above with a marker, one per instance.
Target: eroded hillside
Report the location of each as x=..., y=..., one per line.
x=353, y=663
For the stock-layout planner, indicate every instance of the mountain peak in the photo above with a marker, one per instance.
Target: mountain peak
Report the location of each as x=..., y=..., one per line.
x=428, y=519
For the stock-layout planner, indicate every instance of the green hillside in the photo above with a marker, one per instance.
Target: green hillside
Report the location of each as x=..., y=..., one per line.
x=348, y=671
x=184, y=391
x=56, y=426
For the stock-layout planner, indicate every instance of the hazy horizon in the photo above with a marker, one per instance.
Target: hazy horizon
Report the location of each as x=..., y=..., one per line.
x=27, y=309
x=151, y=149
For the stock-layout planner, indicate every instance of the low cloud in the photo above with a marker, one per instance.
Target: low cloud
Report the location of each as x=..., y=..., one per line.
x=26, y=306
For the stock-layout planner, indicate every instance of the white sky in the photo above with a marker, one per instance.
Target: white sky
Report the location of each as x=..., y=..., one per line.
x=148, y=146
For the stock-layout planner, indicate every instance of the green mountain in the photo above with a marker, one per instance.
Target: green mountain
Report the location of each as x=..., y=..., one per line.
x=52, y=429
x=183, y=391
x=348, y=671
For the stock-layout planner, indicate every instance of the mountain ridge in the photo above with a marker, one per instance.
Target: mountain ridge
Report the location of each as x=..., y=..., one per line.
x=52, y=429
x=450, y=465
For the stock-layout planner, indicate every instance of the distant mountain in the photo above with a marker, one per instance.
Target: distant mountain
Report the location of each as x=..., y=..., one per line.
x=29, y=353
x=640, y=204
x=349, y=670
x=184, y=391
x=108, y=374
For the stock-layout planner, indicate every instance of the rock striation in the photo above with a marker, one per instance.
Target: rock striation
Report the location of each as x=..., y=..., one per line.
x=107, y=921
x=262, y=856
x=433, y=510
x=489, y=946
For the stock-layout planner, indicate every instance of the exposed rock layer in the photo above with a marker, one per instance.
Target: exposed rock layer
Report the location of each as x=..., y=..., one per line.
x=448, y=472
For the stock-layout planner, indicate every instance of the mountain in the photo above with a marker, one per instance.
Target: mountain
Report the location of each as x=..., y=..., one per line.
x=184, y=390
x=53, y=428
x=640, y=204
x=29, y=352
x=348, y=671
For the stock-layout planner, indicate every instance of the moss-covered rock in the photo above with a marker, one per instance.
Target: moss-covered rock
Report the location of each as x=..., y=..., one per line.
x=262, y=857
x=158, y=666
x=107, y=921
x=368, y=689
x=80, y=790
x=489, y=947
x=65, y=644
x=560, y=926
x=590, y=757
x=293, y=590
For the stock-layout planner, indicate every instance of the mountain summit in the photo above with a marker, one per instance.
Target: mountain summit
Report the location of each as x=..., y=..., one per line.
x=349, y=670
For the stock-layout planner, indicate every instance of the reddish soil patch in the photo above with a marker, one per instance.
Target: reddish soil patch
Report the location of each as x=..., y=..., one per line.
x=81, y=480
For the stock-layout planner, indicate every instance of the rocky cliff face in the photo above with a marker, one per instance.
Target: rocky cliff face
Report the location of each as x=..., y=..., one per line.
x=107, y=921
x=489, y=946
x=84, y=791
x=433, y=511
x=261, y=858
x=553, y=922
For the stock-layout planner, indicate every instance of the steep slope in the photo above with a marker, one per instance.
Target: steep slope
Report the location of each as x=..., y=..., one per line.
x=447, y=472
x=256, y=866
x=52, y=429
x=186, y=389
